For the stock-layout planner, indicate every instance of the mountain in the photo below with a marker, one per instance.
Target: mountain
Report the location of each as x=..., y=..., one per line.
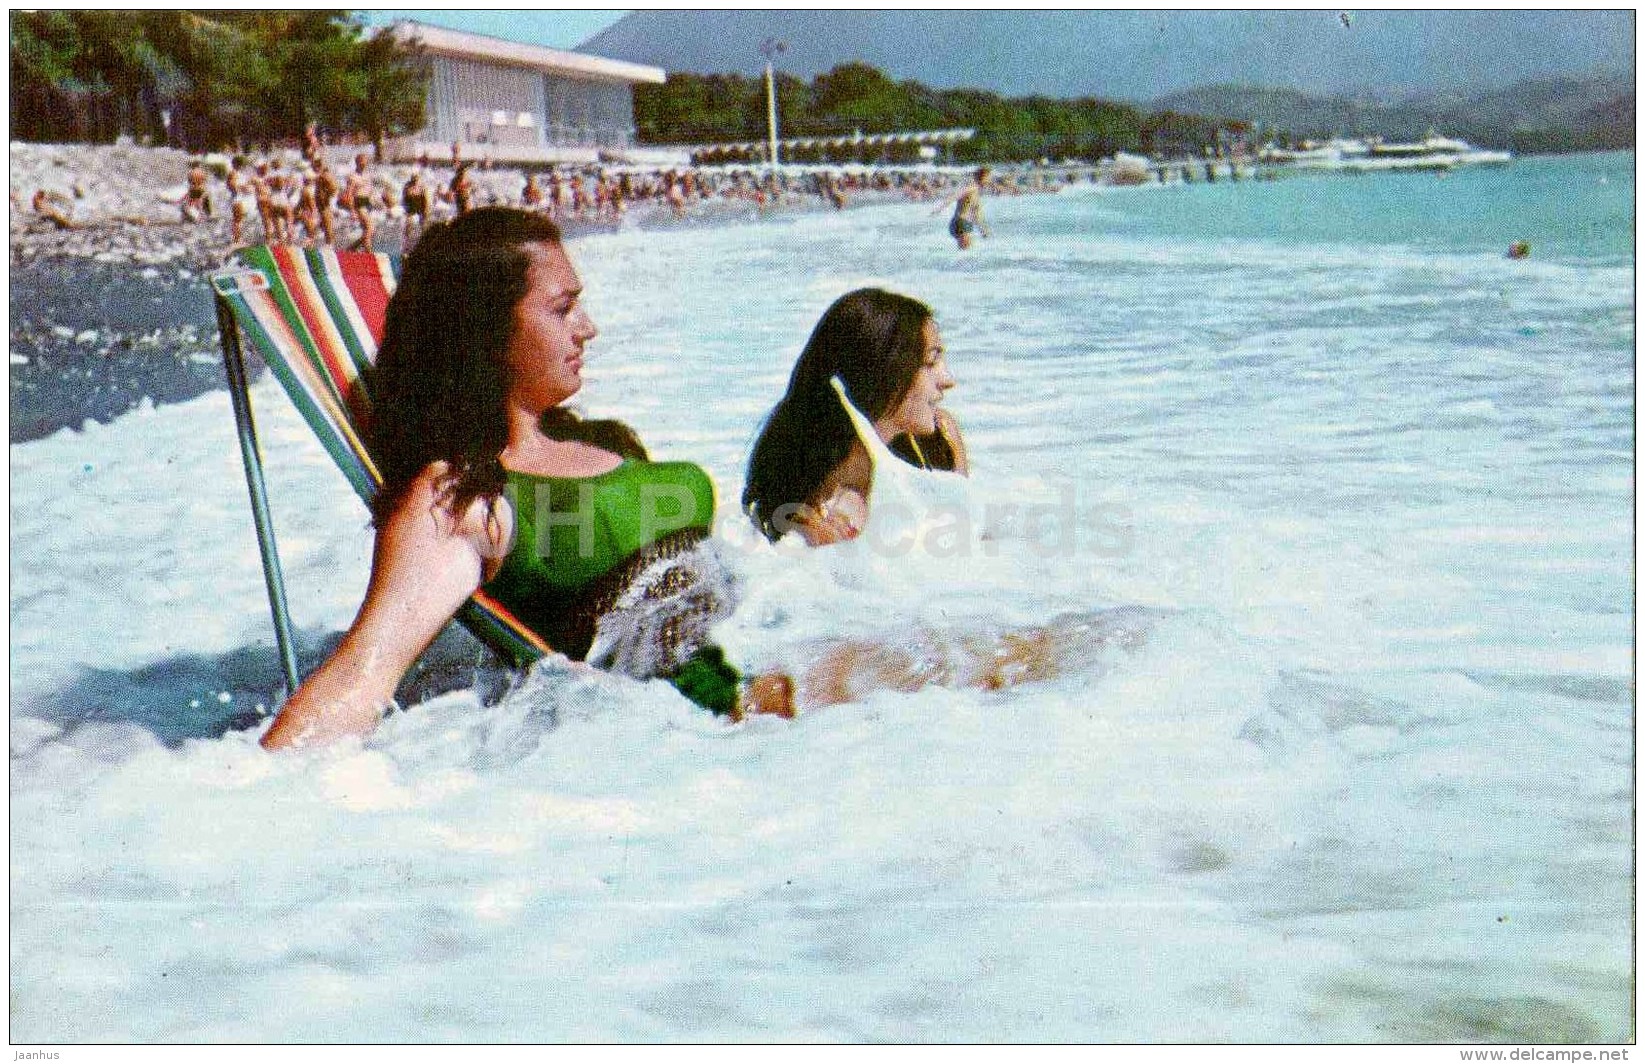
x=1141, y=55
x=1539, y=115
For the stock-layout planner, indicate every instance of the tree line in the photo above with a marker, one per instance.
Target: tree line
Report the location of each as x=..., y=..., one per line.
x=209, y=79
x=852, y=97
x=212, y=79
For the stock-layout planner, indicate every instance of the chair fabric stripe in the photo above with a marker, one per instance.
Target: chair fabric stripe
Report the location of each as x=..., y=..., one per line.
x=342, y=374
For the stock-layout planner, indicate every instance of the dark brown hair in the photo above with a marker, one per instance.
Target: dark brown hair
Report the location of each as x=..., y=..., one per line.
x=874, y=341
x=442, y=379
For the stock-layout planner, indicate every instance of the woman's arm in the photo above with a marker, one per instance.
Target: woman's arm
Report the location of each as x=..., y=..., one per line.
x=426, y=564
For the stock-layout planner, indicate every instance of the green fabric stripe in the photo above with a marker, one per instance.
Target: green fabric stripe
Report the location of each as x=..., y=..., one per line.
x=498, y=634
x=318, y=420
x=327, y=284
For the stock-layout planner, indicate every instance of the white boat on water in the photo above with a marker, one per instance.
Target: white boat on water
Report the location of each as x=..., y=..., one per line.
x=1345, y=155
x=1434, y=152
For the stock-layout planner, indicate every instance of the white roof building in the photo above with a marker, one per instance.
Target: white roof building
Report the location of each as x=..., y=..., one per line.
x=521, y=103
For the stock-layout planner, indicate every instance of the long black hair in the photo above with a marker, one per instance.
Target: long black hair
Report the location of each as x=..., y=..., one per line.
x=874, y=341
x=442, y=378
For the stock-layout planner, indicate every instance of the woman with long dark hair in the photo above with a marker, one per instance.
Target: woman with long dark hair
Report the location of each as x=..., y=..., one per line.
x=865, y=400
x=809, y=471
x=488, y=480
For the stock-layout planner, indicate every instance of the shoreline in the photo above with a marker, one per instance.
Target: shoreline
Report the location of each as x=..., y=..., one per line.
x=117, y=311
x=123, y=205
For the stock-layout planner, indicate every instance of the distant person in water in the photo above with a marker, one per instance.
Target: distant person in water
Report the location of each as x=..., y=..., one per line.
x=967, y=220
x=809, y=471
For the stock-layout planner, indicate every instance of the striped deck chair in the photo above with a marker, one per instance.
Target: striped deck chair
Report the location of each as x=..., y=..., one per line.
x=316, y=318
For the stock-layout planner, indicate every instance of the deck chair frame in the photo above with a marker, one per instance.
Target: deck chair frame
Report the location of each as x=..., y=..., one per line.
x=254, y=299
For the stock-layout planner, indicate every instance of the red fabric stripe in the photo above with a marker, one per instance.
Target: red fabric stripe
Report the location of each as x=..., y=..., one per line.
x=501, y=613
x=364, y=278
x=316, y=319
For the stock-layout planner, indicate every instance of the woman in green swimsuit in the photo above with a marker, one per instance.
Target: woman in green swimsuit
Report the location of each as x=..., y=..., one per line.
x=488, y=481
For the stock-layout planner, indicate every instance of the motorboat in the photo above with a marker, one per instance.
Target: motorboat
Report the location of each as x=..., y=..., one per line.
x=1347, y=155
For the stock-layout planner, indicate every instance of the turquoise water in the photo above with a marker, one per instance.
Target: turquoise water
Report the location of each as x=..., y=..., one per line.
x=1363, y=485
x=1576, y=207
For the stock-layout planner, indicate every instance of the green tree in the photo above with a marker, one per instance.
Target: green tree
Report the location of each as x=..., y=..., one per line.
x=205, y=78
x=210, y=72
x=697, y=108
x=858, y=96
x=44, y=81
x=307, y=57
x=388, y=88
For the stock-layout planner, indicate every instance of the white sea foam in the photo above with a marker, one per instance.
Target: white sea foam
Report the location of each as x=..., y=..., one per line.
x=1362, y=774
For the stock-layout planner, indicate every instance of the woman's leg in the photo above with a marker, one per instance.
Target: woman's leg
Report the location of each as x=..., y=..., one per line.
x=846, y=671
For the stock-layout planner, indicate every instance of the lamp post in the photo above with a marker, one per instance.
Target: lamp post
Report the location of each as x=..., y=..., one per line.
x=771, y=48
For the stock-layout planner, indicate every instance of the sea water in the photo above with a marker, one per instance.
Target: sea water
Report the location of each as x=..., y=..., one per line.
x=1355, y=487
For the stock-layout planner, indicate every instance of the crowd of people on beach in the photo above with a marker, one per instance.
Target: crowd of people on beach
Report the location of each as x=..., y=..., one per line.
x=307, y=199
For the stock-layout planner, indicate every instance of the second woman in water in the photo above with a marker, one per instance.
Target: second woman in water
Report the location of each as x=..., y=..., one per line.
x=810, y=471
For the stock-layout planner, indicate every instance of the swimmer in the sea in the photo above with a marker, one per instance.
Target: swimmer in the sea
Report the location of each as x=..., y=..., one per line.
x=809, y=471
x=967, y=219
x=813, y=472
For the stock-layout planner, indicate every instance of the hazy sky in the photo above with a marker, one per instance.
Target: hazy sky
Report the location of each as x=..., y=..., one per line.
x=552, y=29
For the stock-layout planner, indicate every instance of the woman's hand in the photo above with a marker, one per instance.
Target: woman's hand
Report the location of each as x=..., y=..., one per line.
x=841, y=518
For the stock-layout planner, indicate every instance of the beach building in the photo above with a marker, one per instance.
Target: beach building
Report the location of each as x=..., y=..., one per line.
x=521, y=103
